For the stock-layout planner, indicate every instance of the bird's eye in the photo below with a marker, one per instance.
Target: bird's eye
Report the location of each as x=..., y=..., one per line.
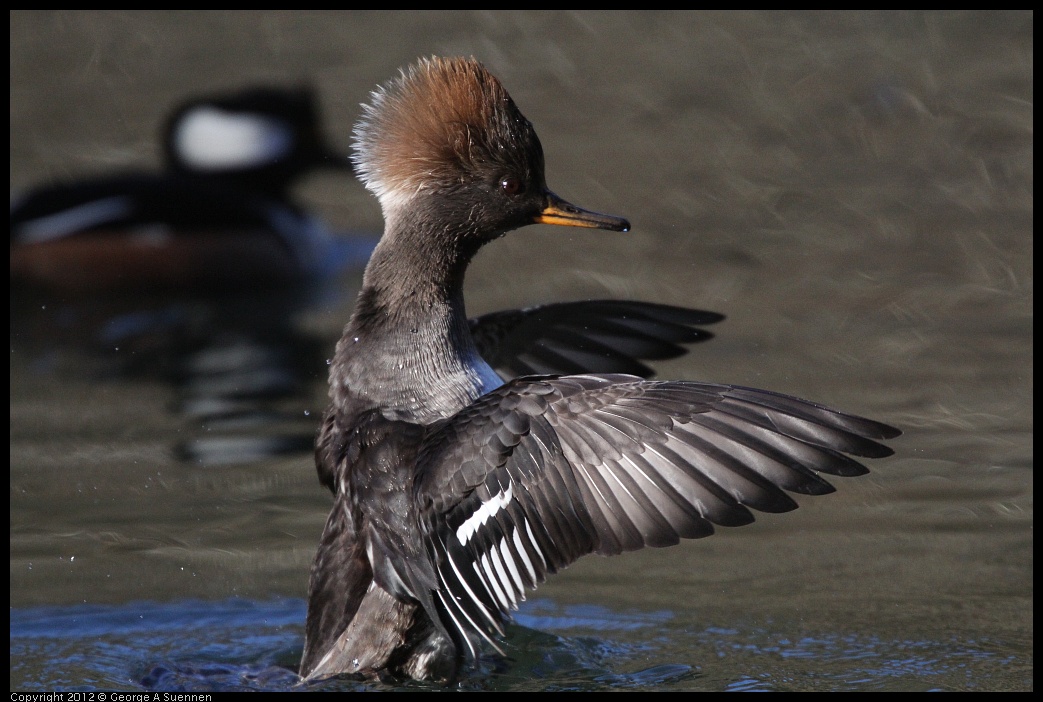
x=510, y=185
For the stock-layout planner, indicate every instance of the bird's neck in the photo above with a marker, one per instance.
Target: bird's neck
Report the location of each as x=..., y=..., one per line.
x=407, y=349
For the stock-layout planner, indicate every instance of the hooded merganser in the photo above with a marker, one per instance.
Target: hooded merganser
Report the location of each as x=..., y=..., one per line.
x=454, y=491
x=220, y=215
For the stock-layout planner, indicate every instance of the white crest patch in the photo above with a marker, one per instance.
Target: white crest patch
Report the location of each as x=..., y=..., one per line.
x=209, y=139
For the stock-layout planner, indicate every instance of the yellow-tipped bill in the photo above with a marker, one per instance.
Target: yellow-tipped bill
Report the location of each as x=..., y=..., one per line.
x=563, y=213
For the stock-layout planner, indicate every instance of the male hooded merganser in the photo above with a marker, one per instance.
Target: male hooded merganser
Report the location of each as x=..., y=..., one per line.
x=220, y=215
x=454, y=491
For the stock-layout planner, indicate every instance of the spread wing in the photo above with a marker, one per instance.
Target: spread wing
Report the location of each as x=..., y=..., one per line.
x=594, y=336
x=544, y=470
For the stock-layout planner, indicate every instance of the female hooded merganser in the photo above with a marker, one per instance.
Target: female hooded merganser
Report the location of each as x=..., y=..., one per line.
x=454, y=491
x=219, y=216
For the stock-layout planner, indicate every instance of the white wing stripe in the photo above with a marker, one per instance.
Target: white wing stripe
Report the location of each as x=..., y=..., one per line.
x=512, y=567
x=492, y=580
x=483, y=580
x=535, y=546
x=456, y=622
x=497, y=560
x=75, y=219
x=487, y=509
x=521, y=551
x=470, y=593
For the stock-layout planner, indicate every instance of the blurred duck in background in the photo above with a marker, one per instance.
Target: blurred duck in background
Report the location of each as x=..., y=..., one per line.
x=219, y=216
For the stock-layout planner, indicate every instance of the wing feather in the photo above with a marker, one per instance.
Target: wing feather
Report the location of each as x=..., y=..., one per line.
x=546, y=469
